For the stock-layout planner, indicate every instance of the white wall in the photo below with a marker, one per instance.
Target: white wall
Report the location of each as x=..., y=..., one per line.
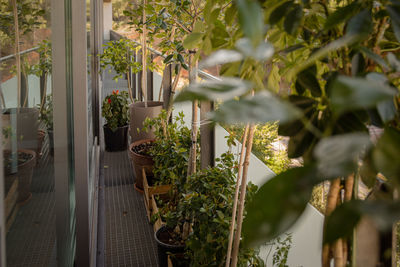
x=107, y=15
x=306, y=233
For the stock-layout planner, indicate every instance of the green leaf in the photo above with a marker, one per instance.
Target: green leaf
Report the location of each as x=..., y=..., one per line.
x=263, y=51
x=386, y=155
x=394, y=62
x=308, y=80
x=277, y=205
x=338, y=155
x=342, y=221
x=263, y=107
x=230, y=15
x=251, y=20
x=293, y=19
x=355, y=93
x=280, y=12
x=221, y=57
x=345, y=218
x=323, y=52
x=192, y=40
x=224, y=89
x=360, y=25
x=341, y=15
x=374, y=57
x=394, y=12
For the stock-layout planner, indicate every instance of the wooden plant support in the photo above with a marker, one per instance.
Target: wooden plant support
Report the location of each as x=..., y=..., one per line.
x=149, y=191
x=233, y=222
x=236, y=242
x=158, y=223
x=339, y=249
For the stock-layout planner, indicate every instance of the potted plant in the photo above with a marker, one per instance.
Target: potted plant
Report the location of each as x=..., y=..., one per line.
x=167, y=153
x=18, y=164
x=208, y=203
x=171, y=156
x=115, y=112
x=120, y=56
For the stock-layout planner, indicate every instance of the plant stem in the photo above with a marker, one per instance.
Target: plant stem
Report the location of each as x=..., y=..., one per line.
x=193, y=148
x=235, y=199
x=173, y=89
x=144, y=57
x=129, y=86
x=44, y=93
x=242, y=197
x=17, y=51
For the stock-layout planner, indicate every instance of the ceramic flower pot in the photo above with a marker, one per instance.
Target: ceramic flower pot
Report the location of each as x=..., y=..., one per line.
x=138, y=113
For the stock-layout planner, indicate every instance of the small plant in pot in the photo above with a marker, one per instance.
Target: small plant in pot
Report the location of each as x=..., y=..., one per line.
x=115, y=110
x=167, y=154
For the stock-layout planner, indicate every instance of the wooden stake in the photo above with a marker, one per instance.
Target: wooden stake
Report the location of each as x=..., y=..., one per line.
x=236, y=243
x=235, y=199
x=330, y=206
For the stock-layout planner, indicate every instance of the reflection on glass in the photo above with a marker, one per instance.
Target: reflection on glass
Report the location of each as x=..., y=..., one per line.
x=27, y=121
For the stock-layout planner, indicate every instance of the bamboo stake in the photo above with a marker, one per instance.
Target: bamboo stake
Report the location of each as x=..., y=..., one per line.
x=193, y=152
x=236, y=243
x=17, y=52
x=144, y=56
x=348, y=193
x=338, y=253
x=235, y=199
x=330, y=206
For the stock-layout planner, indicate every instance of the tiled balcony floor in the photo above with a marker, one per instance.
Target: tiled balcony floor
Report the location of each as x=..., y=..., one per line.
x=129, y=236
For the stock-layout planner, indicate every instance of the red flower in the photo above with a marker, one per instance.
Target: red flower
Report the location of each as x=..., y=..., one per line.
x=117, y=92
x=113, y=92
x=109, y=101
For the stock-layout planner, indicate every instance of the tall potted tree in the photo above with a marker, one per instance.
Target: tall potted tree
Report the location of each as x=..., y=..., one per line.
x=146, y=109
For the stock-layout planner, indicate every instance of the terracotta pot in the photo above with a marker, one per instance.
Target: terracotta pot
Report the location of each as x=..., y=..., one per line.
x=139, y=161
x=116, y=140
x=138, y=113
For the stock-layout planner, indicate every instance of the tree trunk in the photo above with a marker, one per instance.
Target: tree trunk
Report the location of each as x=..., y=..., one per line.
x=235, y=199
x=128, y=75
x=236, y=243
x=144, y=56
x=195, y=127
x=173, y=90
